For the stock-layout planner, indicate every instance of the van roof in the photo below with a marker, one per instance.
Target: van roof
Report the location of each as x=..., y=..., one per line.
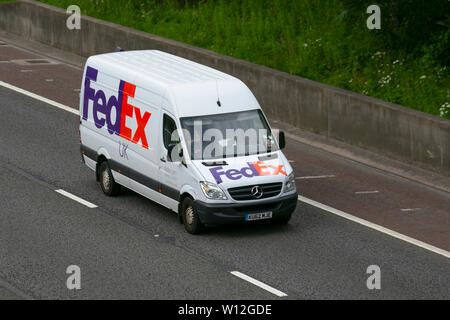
x=168, y=69
x=191, y=88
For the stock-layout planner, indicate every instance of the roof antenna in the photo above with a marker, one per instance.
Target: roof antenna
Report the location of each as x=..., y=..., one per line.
x=218, y=99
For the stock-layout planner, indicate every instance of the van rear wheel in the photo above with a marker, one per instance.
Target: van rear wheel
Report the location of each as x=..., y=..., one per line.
x=109, y=186
x=191, y=221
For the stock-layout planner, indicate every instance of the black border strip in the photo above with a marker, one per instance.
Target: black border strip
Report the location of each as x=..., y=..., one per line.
x=88, y=152
x=134, y=175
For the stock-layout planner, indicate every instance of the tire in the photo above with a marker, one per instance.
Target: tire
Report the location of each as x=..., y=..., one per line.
x=190, y=218
x=107, y=183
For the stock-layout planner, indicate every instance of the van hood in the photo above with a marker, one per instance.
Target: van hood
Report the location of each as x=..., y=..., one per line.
x=245, y=170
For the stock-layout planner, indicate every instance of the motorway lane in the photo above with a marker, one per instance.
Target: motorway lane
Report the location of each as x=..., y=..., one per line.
x=373, y=194
x=318, y=255
x=42, y=233
x=55, y=80
x=399, y=204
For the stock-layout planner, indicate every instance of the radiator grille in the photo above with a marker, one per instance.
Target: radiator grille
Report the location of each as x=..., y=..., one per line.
x=245, y=193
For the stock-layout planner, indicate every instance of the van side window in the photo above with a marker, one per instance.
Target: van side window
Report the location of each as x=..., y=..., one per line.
x=169, y=127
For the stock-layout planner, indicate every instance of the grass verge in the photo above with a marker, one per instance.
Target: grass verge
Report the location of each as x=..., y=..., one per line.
x=315, y=39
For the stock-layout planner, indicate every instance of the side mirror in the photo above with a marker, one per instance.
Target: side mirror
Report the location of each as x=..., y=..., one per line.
x=174, y=152
x=281, y=140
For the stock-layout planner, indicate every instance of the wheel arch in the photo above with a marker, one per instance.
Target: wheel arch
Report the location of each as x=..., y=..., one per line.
x=183, y=195
x=102, y=155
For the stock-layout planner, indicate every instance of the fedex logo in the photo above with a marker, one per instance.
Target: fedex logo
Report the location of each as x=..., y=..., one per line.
x=102, y=109
x=256, y=168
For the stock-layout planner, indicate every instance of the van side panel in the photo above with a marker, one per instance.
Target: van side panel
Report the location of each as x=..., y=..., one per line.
x=131, y=147
x=144, y=161
x=98, y=89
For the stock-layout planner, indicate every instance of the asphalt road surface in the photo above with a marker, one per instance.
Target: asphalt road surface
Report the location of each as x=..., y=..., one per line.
x=130, y=247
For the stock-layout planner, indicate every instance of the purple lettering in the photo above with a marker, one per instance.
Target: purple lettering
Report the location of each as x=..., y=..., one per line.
x=99, y=107
x=250, y=168
x=114, y=102
x=89, y=93
x=216, y=174
x=233, y=174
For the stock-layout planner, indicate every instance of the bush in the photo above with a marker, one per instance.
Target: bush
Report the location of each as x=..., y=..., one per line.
x=406, y=62
x=405, y=24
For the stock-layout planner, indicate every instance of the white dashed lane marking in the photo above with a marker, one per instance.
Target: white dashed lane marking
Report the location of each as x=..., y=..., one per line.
x=259, y=284
x=77, y=199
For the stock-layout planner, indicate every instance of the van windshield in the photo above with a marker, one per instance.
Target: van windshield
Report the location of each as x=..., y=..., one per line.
x=227, y=135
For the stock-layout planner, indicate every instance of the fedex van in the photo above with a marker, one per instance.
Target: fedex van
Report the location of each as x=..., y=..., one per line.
x=184, y=135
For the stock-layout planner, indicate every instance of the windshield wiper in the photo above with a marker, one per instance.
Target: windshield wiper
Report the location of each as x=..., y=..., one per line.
x=215, y=163
x=268, y=157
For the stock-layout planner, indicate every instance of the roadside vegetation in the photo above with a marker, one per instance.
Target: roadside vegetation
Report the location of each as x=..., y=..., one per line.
x=405, y=62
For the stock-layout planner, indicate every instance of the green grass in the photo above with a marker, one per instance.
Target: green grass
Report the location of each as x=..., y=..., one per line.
x=308, y=38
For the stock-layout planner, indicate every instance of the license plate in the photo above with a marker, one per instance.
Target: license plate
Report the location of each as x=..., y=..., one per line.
x=258, y=216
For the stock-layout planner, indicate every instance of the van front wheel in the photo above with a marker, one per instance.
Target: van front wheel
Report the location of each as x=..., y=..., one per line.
x=191, y=221
x=109, y=186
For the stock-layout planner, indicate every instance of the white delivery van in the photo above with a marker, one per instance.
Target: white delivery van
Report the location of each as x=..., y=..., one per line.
x=184, y=135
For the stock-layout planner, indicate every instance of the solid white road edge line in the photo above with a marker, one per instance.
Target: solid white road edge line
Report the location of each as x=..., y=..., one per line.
x=77, y=199
x=377, y=227
x=300, y=198
x=258, y=284
x=38, y=97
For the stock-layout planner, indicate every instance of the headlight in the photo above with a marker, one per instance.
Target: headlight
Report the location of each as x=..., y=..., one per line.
x=290, y=183
x=212, y=191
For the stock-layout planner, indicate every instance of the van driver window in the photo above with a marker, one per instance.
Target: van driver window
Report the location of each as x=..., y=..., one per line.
x=169, y=127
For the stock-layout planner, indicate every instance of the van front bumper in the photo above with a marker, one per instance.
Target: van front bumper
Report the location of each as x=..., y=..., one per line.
x=212, y=214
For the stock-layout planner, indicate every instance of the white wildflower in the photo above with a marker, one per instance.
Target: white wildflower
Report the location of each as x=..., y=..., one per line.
x=385, y=80
x=444, y=110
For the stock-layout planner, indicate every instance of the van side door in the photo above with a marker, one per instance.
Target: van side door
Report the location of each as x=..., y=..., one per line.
x=171, y=170
x=142, y=152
